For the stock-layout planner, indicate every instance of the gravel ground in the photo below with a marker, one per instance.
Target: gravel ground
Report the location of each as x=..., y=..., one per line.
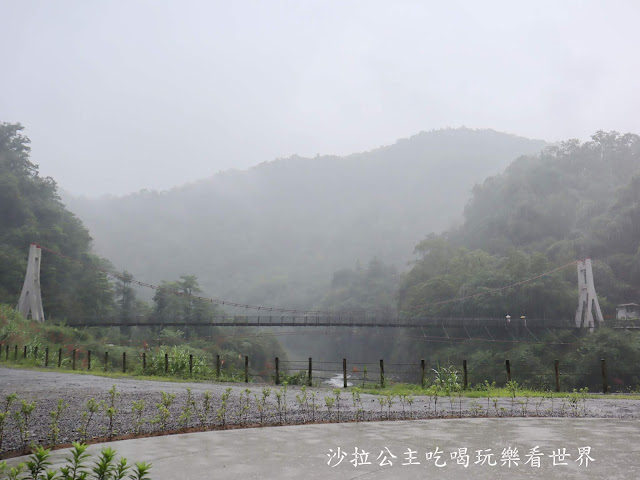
x=45, y=388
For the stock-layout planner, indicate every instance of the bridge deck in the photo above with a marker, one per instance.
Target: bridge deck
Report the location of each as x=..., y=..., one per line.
x=355, y=322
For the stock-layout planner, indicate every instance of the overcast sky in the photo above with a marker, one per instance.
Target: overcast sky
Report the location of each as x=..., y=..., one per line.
x=117, y=96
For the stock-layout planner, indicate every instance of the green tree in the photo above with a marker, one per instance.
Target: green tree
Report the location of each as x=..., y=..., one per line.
x=177, y=301
x=31, y=211
x=126, y=296
x=572, y=201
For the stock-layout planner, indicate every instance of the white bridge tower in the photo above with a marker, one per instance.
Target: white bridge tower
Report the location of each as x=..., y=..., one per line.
x=588, y=304
x=30, y=299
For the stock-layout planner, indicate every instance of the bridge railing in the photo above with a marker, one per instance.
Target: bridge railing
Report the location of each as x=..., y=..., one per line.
x=310, y=320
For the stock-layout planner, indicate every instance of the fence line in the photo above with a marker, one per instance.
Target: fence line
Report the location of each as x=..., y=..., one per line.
x=343, y=373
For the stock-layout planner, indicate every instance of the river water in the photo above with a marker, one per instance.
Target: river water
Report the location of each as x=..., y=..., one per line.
x=337, y=381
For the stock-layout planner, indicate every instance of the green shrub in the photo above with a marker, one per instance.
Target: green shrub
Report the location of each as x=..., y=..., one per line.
x=76, y=468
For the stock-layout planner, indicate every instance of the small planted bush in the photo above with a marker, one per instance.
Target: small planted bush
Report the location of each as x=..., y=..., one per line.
x=54, y=426
x=337, y=393
x=9, y=399
x=281, y=402
x=357, y=404
x=410, y=400
x=434, y=392
x=205, y=411
x=162, y=418
x=137, y=408
x=91, y=408
x=314, y=406
x=110, y=409
x=329, y=403
x=389, y=401
x=221, y=413
x=382, y=401
x=188, y=410
x=261, y=403
x=76, y=468
x=22, y=417
x=303, y=402
x=512, y=388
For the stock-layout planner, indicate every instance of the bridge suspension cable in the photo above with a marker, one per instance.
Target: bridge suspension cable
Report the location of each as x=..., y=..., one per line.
x=496, y=290
x=291, y=310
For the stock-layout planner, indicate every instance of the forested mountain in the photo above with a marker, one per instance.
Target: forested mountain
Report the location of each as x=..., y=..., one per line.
x=31, y=211
x=275, y=234
x=571, y=201
x=334, y=233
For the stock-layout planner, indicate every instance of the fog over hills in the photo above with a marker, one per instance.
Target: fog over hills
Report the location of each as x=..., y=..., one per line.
x=274, y=234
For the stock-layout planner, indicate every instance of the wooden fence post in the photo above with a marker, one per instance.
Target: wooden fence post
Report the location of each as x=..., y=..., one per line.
x=423, y=380
x=277, y=371
x=309, y=381
x=59, y=357
x=344, y=372
x=508, y=365
x=556, y=365
x=218, y=367
x=24, y=352
x=381, y=373
x=246, y=369
x=106, y=361
x=124, y=362
x=144, y=361
x=73, y=360
x=603, y=364
x=466, y=374
x=6, y=352
x=46, y=357
x=88, y=359
x=166, y=363
x=190, y=364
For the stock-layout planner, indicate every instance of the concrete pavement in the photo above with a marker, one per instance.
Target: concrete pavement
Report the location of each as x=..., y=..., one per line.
x=496, y=448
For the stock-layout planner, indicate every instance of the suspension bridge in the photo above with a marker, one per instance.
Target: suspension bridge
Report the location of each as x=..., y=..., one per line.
x=588, y=314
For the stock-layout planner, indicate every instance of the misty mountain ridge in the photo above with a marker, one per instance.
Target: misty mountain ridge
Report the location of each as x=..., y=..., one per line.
x=275, y=233
x=573, y=200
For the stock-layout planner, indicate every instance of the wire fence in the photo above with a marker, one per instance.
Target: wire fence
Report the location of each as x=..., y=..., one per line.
x=551, y=375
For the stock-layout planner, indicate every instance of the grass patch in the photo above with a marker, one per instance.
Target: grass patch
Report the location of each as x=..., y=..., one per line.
x=394, y=389
x=112, y=374
x=399, y=389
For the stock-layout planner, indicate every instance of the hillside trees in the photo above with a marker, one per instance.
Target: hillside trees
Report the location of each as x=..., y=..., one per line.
x=372, y=288
x=572, y=201
x=428, y=291
x=277, y=232
x=174, y=301
x=31, y=211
